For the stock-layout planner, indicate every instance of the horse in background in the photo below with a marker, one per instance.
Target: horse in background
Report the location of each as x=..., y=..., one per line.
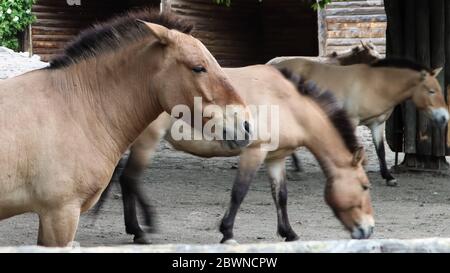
x=369, y=93
x=65, y=127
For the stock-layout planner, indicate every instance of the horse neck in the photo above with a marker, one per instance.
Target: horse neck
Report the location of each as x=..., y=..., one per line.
x=394, y=84
x=324, y=141
x=112, y=97
x=351, y=58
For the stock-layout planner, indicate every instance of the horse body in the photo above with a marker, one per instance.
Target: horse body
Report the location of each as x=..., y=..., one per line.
x=81, y=98
x=369, y=93
x=310, y=127
x=347, y=82
x=41, y=173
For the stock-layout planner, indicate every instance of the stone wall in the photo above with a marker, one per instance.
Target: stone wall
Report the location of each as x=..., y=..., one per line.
x=348, y=246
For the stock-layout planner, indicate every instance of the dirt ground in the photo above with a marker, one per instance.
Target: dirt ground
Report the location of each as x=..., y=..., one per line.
x=191, y=194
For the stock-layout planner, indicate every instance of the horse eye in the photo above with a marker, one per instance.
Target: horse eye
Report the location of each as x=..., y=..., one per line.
x=199, y=69
x=432, y=91
x=365, y=187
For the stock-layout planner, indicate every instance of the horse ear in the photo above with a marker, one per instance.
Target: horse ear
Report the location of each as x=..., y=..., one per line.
x=436, y=71
x=359, y=157
x=160, y=32
x=365, y=45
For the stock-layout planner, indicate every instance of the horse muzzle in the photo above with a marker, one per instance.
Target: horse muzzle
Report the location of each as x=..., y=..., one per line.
x=363, y=230
x=439, y=117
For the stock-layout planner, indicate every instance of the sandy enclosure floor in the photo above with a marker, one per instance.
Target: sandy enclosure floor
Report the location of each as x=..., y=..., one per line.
x=190, y=195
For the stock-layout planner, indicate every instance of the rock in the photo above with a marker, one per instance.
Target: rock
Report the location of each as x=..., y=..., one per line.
x=13, y=64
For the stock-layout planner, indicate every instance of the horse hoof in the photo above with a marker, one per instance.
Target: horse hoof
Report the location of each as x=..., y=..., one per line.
x=230, y=242
x=141, y=240
x=391, y=183
x=292, y=239
x=149, y=229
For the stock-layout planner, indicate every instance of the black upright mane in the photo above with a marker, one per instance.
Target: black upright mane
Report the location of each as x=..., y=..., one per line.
x=400, y=63
x=115, y=33
x=328, y=102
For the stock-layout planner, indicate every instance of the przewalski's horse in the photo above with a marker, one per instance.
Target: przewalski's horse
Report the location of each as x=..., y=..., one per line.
x=366, y=53
x=321, y=125
x=369, y=93
x=65, y=127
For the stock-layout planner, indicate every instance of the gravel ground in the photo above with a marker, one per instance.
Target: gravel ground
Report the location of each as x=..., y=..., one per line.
x=190, y=195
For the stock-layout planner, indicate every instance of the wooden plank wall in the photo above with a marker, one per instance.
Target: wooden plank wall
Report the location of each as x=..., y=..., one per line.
x=247, y=32
x=348, y=22
x=289, y=29
x=232, y=33
x=250, y=32
x=57, y=22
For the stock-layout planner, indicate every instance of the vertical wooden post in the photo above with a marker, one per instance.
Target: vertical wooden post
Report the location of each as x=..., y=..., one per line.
x=437, y=29
x=447, y=59
x=424, y=133
x=26, y=41
x=30, y=40
x=165, y=5
x=323, y=31
x=409, y=109
x=394, y=47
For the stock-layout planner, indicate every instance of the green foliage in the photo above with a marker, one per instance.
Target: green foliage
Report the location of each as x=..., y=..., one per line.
x=15, y=16
x=320, y=4
x=223, y=2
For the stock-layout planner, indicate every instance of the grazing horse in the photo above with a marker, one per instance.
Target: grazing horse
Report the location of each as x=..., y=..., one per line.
x=366, y=53
x=321, y=125
x=65, y=127
x=369, y=93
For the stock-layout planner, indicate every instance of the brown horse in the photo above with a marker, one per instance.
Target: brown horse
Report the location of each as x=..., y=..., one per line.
x=65, y=127
x=366, y=53
x=369, y=93
x=321, y=125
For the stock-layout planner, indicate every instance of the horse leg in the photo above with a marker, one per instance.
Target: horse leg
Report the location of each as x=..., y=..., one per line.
x=249, y=163
x=297, y=162
x=57, y=227
x=277, y=177
x=130, y=214
x=131, y=185
x=378, y=140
